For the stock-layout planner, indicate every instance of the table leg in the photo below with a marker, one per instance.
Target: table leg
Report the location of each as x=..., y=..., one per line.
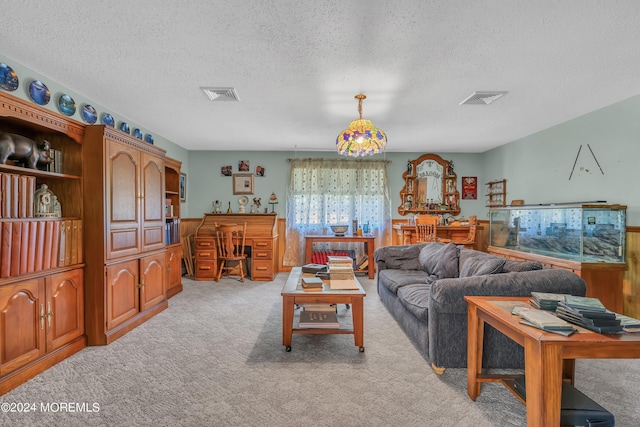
x=288, y=304
x=475, y=338
x=543, y=372
x=308, y=249
x=357, y=313
x=370, y=248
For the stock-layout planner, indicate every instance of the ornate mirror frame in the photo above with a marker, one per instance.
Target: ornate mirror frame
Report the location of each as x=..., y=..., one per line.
x=429, y=187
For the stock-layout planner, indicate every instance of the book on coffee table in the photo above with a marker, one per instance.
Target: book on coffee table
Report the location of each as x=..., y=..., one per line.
x=314, y=268
x=319, y=319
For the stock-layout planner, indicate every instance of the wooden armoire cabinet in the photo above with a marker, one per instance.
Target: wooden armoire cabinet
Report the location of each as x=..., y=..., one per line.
x=41, y=279
x=124, y=194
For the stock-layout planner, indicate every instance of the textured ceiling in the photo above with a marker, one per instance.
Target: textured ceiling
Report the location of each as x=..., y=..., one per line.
x=297, y=65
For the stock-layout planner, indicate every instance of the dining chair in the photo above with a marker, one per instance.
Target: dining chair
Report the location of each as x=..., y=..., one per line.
x=230, y=239
x=426, y=228
x=469, y=241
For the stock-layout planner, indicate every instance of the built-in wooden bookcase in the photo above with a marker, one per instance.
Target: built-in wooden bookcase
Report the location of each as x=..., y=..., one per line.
x=172, y=235
x=41, y=259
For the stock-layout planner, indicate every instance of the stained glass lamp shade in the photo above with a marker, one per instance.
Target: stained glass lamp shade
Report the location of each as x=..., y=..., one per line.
x=361, y=138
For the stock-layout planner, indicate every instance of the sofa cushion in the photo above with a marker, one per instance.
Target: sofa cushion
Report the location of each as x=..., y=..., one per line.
x=476, y=263
x=519, y=266
x=395, y=279
x=416, y=299
x=401, y=257
x=442, y=263
x=427, y=252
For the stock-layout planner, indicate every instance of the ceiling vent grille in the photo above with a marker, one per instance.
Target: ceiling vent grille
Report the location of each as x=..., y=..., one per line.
x=218, y=94
x=483, y=98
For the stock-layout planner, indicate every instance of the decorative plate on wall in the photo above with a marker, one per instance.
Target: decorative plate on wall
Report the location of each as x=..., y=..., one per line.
x=107, y=119
x=8, y=78
x=137, y=133
x=124, y=127
x=89, y=114
x=67, y=105
x=148, y=138
x=39, y=92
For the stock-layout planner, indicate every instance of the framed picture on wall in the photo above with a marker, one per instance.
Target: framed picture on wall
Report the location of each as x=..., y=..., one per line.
x=242, y=183
x=261, y=171
x=183, y=187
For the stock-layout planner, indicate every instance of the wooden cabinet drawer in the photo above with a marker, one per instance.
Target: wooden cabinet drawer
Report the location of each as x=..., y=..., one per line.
x=262, y=244
x=258, y=254
x=262, y=270
x=206, y=254
x=205, y=269
x=205, y=243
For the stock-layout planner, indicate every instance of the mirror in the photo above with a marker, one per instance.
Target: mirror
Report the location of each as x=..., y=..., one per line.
x=430, y=187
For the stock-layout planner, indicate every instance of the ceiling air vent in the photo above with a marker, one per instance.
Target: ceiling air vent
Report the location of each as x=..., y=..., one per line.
x=483, y=98
x=221, y=93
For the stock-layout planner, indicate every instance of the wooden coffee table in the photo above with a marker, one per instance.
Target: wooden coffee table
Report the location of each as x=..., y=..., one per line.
x=549, y=358
x=293, y=294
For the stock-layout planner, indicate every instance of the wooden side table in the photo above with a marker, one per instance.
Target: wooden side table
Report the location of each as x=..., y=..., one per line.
x=549, y=358
x=369, y=248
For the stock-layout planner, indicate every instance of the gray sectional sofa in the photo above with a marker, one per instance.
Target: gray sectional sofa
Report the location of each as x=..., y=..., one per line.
x=423, y=287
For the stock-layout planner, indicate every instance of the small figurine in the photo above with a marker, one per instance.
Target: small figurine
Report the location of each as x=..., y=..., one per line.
x=23, y=149
x=216, y=207
x=409, y=168
x=450, y=168
x=257, y=201
x=273, y=200
x=46, y=203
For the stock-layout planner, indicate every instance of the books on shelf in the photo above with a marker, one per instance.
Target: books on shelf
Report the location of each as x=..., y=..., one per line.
x=319, y=319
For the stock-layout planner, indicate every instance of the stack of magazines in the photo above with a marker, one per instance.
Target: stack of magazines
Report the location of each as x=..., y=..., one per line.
x=546, y=300
x=589, y=313
x=543, y=320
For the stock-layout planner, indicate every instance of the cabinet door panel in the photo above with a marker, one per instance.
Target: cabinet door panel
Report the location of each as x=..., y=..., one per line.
x=22, y=324
x=152, y=202
x=122, y=292
x=174, y=266
x=152, y=285
x=123, y=188
x=65, y=308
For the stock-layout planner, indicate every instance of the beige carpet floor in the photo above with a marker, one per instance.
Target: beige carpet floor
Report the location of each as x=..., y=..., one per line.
x=215, y=358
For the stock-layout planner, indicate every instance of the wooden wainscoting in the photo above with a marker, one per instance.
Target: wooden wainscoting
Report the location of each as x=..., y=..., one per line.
x=631, y=281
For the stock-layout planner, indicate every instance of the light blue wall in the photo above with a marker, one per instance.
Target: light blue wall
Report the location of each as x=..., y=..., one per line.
x=205, y=182
x=537, y=167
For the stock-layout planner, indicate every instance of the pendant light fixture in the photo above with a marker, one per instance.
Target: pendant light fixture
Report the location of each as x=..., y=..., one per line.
x=361, y=138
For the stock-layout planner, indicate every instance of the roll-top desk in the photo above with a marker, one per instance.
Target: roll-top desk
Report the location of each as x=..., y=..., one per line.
x=261, y=237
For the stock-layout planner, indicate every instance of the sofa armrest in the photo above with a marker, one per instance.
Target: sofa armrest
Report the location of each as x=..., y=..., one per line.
x=447, y=295
x=402, y=257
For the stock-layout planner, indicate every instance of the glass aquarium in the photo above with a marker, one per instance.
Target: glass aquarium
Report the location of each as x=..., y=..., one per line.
x=575, y=232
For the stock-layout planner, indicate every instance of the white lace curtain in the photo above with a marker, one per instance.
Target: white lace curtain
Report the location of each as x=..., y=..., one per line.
x=325, y=192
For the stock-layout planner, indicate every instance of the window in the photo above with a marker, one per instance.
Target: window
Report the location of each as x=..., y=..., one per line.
x=325, y=192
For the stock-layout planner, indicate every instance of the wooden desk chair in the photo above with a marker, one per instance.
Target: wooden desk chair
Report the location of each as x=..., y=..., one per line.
x=470, y=240
x=230, y=246
x=426, y=228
